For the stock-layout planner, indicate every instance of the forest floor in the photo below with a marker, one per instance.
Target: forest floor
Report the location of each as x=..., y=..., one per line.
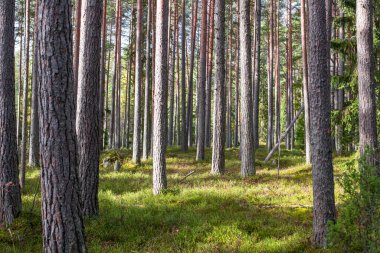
x=201, y=213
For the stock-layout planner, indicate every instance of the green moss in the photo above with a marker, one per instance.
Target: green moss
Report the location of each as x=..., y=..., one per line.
x=202, y=213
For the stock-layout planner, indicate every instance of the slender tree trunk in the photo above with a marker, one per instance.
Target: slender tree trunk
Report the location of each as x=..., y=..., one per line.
x=201, y=87
x=19, y=95
x=277, y=73
x=117, y=137
x=340, y=92
x=237, y=91
x=270, y=138
x=367, y=100
x=247, y=152
x=209, y=74
x=34, y=147
x=106, y=121
x=25, y=95
x=290, y=109
x=256, y=74
x=229, y=99
x=305, y=80
x=184, y=143
x=191, y=73
x=160, y=98
x=87, y=114
x=172, y=79
x=320, y=106
x=218, y=159
x=62, y=221
x=147, y=132
x=136, y=151
x=10, y=194
x=102, y=110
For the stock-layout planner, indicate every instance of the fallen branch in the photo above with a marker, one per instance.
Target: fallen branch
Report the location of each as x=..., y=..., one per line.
x=187, y=175
x=269, y=156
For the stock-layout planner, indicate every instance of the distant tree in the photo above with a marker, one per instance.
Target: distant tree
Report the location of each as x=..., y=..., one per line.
x=184, y=143
x=10, y=194
x=62, y=221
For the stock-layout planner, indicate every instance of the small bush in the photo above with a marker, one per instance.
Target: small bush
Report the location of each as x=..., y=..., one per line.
x=358, y=225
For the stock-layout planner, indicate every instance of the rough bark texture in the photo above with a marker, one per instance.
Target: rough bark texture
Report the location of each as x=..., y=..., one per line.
x=34, y=133
x=201, y=96
x=323, y=179
x=218, y=159
x=62, y=221
x=10, y=194
x=147, y=132
x=247, y=154
x=160, y=98
x=256, y=74
x=367, y=100
x=87, y=114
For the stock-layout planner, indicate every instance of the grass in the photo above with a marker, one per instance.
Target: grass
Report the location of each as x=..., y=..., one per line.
x=202, y=213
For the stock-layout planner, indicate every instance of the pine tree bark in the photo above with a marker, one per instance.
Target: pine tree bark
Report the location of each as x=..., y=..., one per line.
x=270, y=139
x=78, y=16
x=305, y=80
x=184, y=144
x=10, y=194
x=201, y=96
x=246, y=146
x=160, y=98
x=320, y=106
x=19, y=92
x=25, y=94
x=62, y=221
x=367, y=99
x=229, y=99
x=237, y=93
x=87, y=113
x=256, y=74
x=191, y=73
x=289, y=102
x=340, y=92
x=147, y=132
x=218, y=158
x=172, y=77
x=102, y=110
x=34, y=133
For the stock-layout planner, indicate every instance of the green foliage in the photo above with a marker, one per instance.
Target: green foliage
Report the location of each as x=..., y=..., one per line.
x=358, y=225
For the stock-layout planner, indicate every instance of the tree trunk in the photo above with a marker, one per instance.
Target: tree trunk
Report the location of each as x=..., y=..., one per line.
x=102, y=110
x=201, y=87
x=136, y=151
x=229, y=99
x=277, y=73
x=172, y=79
x=367, y=100
x=117, y=137
x=183, y=79
x=34, y=147
x=160, y=98
x=20, y=80
x=87, y=114
x=63, y=229
x=340, y=92
x=320, y=106
x=270, y=138
x=305, y=80
x=10, y=194
x=237, y=90
x=147, y=132
x=289, y=109
x=78, y=16
x=247, y=153
x=191, y=73
x=256, y=74
x=25, y=94
x=218, y=159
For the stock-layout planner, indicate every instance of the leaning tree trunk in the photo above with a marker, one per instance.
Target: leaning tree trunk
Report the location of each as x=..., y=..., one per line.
x=34, y=135
x=247, y=153
x=160, y=98
x=201, y=87
x=10, y=194
x=62, y=221
x=320, y=106
x=218, y=158
x=367, y=100
x=136, y=151
x=87, y=113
